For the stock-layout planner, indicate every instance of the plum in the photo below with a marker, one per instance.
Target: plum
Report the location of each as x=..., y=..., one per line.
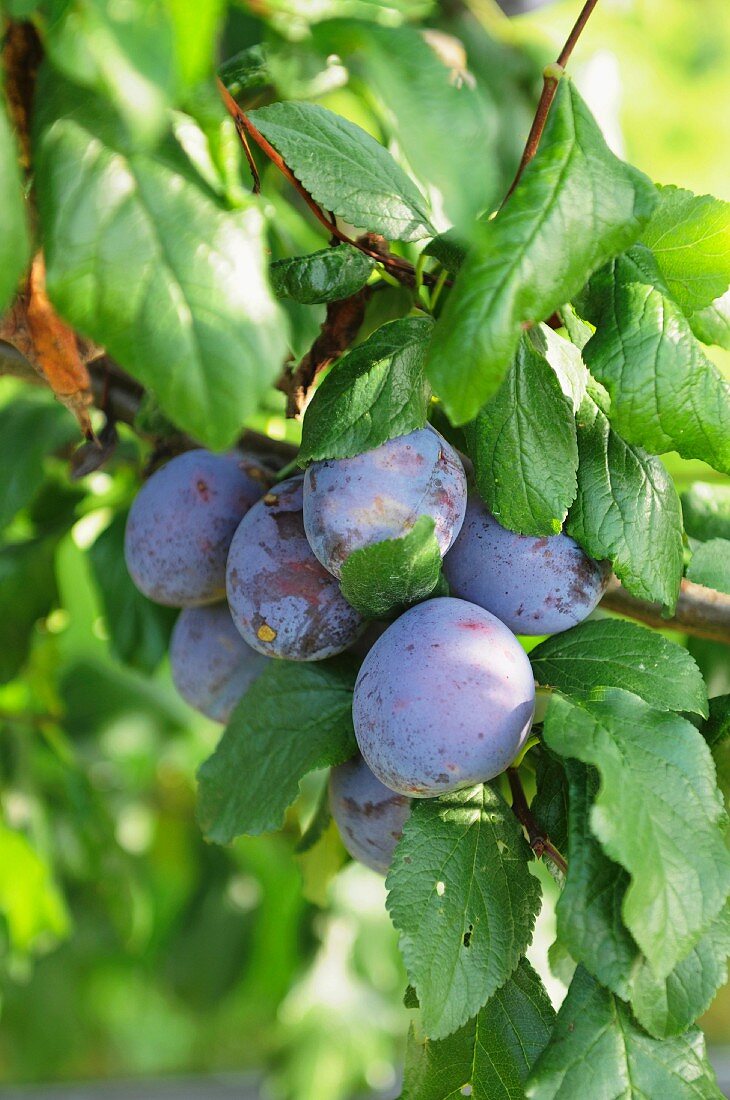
x=283, y=602
x=353, y=502
x=181, y=524
x=534, y=585
x=369, y=816
x=211, y=664
x=444, y=699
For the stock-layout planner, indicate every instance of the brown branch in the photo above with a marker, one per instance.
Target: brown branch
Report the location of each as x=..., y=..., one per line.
x=539, y=842
x=340, y=327
x=551, y=79
x=701, y=612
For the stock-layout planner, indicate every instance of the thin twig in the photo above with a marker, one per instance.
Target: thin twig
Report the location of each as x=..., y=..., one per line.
x=540, y=844
x=702, y=612
x=551, y=79
x=402, y=269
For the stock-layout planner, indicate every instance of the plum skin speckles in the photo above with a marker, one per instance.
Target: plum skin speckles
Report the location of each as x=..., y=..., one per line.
x=534, y=585
x=350, y=503
x=369, y=816
x=181, y=525
x=283, y=602
x=212, y=666
x=444, y=699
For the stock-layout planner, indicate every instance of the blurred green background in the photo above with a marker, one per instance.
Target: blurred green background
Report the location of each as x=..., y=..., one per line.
x=130, y=947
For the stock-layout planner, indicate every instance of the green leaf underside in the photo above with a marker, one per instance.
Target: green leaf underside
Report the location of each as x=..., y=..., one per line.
x=384, y=578
x=375, y=392
x=665, y=393
x=196, y=323
x=124, y=52
x=711, y=325
x=575, y=189
x=626, y=510
x=591, y=929
x=596, y=1045
x=492, y=1053
x=345, y=170
x=609, y=653
x=710, y=565
x=294, y=718
x=139, y=630
x=525, y=449
x=657, y=784
x=690, y=238
x=460, y=873
x=325, y=276
x=706, y=511
x=14, y=235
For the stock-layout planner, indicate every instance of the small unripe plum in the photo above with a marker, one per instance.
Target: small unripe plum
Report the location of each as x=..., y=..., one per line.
x=181, y=524
x=283, y=602
x=369, y=816
x=534, y=585
x=211, y=664
x=350, y=503
x=443, y=700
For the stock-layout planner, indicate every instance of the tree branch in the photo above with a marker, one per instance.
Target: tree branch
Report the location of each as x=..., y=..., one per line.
x=551, y=79
x=540, y=844
x=700, y=611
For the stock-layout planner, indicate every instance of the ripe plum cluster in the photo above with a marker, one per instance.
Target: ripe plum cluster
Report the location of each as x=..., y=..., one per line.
x=445, y=694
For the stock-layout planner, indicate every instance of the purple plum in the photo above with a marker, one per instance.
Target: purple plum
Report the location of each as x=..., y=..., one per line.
x=369, y=816
x=181, y=524
x=283, y=602
x=211, y=664
x=353, y=502
x=534, y=585
x=443, y=700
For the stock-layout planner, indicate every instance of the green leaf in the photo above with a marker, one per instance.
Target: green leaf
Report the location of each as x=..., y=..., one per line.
x=666, y=395
x=139, y=630
x=293, y=719
x=375, y=392
x=449, y=249
x=565, y=358
x=610, y=653
x=14, y=234
x=711, y=325
x=524, y=448
x=710, y=565
x=464, y=902
x=31, y=427
x=597, y=1046
x=246, y=72
x=324, y=276
x=34, y=909
x=183, y=303
x=196, y=28
x=591, y=929
x=690, y=238
x=717, y=727
x=657, y=783
x=123, y=51
x=383, y=579
x=520, y=269
x=425, y=100
x=706, y=510
x=670, y=1006
x=492, y=1054
x=27, y=592
x=549, y=805
x=626, y=510
x=345, y=170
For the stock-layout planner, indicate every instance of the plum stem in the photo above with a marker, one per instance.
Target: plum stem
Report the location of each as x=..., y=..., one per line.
x=538, y=841
x=551, y=78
